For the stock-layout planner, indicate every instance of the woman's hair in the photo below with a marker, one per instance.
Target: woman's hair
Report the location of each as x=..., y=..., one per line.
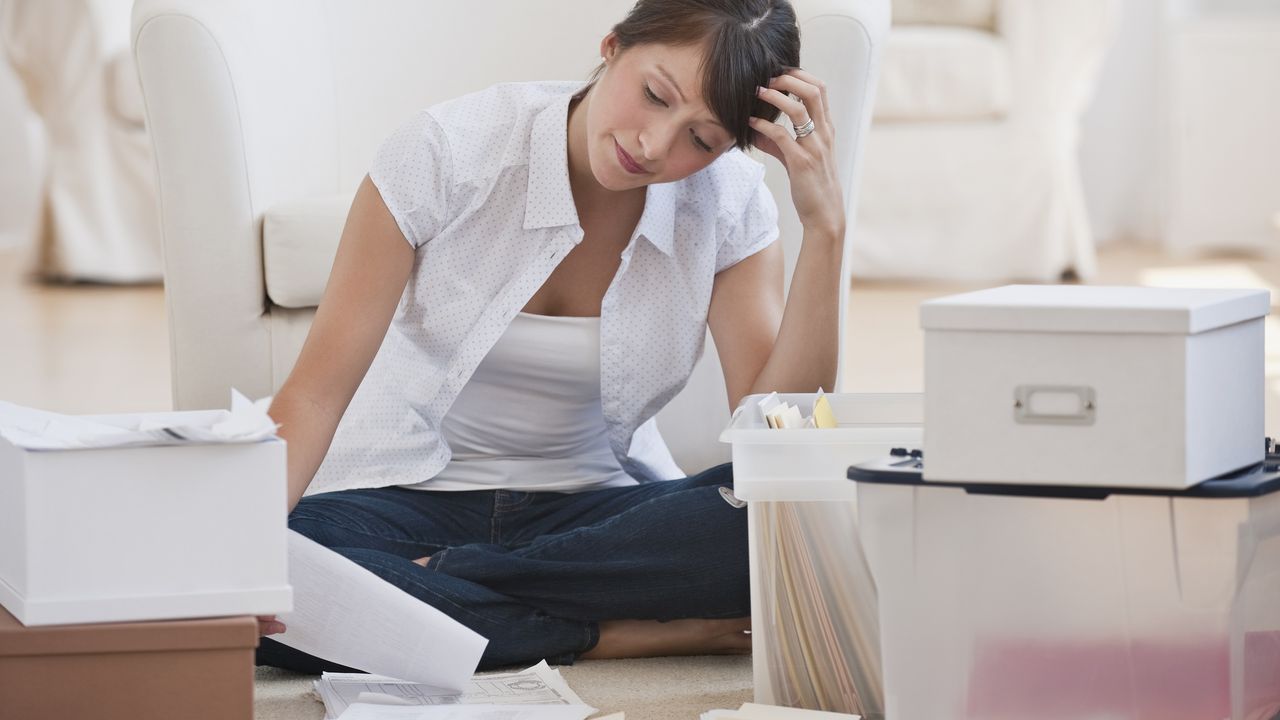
x=747, y=43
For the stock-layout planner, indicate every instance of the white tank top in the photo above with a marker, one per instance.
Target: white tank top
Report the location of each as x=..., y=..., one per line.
x=530, y=416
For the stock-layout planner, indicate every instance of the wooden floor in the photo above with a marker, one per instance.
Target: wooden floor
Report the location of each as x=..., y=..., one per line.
x=95, y=349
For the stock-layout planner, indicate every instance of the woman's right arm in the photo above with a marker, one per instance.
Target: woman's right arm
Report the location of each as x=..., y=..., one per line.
x=369, y=275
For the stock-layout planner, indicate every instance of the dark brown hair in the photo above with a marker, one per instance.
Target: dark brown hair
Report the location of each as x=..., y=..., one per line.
x=747, y=42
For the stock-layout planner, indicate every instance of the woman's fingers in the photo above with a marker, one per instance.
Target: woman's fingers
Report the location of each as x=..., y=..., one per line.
x=792, y=108
x=783, y=145
x=811, y=79
x=810, y=99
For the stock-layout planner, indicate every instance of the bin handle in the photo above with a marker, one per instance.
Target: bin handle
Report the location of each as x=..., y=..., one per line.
x=1054, y=405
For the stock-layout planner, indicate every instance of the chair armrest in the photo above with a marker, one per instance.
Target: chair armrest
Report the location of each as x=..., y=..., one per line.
x=237, y=126
x=842, y=42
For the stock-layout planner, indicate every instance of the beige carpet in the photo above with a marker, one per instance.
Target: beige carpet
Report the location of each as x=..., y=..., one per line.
x=646, y=689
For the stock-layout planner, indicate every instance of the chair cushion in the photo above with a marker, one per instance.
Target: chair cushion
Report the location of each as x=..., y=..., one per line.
x=299, y=242
x=937, y=73
x=969, y=13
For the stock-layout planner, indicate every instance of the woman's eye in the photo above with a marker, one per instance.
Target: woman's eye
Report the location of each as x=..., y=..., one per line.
x=648, y=93
x=653, y=98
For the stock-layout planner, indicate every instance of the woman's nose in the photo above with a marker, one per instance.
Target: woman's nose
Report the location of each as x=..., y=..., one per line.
x=655, y=140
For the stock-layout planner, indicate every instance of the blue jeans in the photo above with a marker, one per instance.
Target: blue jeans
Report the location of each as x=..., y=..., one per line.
x=534, y=572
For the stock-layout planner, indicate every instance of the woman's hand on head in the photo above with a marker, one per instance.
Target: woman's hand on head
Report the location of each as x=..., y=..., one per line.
x=810, y=160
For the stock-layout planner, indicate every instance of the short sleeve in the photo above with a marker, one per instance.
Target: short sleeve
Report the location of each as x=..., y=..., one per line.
x=413, y=171
x=755, y=230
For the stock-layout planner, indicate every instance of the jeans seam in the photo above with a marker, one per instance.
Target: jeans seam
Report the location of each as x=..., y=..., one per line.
x=436, y=560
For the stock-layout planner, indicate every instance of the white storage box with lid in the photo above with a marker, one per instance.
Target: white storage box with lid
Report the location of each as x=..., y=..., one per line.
x=1108, y=386
x=815, y=635
x=143, y=533
x=1075, y=603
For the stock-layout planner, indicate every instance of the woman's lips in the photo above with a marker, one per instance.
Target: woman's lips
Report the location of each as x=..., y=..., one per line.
x=628, y=163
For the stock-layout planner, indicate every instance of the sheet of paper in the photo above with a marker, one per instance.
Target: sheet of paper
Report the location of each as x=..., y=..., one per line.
x=32, y=429
x=538, y=685
x=823, y=417
x=755, y=711
x=346, y=614
x=361, y=711
x=768, y=404
x=775, y=712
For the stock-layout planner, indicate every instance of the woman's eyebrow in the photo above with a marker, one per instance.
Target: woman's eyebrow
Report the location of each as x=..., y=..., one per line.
x=673, y=82
x=680, y=92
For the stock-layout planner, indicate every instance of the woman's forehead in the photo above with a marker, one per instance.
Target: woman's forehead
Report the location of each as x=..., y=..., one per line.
x=681, y=66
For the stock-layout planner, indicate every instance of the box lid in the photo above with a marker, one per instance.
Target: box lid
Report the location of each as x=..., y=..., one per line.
x=1079, y=308
x=204, y=634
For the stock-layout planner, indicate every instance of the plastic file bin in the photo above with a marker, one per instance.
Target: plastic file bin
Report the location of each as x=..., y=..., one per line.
x=815, y=633
x=1074, y=603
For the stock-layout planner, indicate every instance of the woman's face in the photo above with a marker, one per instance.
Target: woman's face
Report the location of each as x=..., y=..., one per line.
x=647, y=122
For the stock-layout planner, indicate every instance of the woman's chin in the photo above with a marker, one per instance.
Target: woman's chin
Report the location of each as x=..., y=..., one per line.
x=616, y=182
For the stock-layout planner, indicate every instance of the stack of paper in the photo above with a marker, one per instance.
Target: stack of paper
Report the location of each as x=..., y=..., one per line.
x=752, y=711
x=538, y=693
x=33, y=429
x=781, y=415
x=821, y=633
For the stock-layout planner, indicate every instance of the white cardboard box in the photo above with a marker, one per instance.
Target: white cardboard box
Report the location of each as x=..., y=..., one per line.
x=1076, y=385
x=143, y=533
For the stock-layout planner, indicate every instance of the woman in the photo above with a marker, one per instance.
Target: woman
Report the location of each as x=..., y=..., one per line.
x=525, y=278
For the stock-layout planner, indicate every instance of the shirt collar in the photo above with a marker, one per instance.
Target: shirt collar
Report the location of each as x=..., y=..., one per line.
x=549, y=198
x=657, y=223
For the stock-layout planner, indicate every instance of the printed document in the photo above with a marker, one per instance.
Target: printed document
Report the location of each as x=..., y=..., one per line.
x=538, y=685
x=362, y=711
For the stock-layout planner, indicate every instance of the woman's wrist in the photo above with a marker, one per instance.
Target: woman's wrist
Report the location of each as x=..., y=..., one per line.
x=827, y=230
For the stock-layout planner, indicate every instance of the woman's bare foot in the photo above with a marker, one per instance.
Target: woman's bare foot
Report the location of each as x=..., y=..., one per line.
x=269, y=625
x=651, y=638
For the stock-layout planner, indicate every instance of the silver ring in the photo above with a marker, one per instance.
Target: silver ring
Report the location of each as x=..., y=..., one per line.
x=805, y=129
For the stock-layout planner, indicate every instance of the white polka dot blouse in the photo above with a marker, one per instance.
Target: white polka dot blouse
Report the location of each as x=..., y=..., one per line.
x=479, y=185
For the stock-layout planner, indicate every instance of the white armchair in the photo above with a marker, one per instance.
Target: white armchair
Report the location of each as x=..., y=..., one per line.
x=265, y=117
x=971, y=171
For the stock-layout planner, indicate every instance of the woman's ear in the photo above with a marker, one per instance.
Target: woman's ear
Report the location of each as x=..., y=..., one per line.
x=609, y=47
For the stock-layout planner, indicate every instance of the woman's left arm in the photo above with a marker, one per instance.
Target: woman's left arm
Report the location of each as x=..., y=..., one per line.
x=763, y=345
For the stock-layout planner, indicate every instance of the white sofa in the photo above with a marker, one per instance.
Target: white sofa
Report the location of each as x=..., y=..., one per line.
x=971, y=171
x=265, y=115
